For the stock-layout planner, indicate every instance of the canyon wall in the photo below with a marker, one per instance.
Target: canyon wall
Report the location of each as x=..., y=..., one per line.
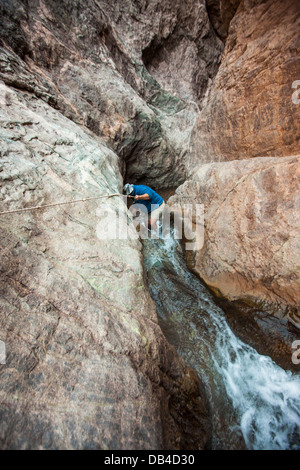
x=250, y=112
x=251, y=231
x=91, y=61
x=87, y=366
x=167, y=93
x=243, y=163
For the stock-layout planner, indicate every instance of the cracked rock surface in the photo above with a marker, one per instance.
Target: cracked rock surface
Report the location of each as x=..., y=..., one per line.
x=87, y=365
x=195, y=95
x=251, y=230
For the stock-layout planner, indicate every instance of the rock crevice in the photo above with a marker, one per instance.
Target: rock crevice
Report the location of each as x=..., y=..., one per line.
x=92, y=92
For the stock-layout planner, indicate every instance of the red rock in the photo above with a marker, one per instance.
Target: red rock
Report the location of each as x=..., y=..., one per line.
x=250, y=112
x=252, y=225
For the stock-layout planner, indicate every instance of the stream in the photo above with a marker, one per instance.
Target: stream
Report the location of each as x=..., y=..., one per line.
x=254, y=403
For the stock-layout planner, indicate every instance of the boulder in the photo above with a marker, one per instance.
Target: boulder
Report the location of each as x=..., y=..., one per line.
x=251, y=231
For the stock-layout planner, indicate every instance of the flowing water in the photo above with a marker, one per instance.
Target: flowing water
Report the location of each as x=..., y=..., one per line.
x=254, y=403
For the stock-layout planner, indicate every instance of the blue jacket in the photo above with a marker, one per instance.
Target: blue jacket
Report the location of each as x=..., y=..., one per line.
x=154, y=201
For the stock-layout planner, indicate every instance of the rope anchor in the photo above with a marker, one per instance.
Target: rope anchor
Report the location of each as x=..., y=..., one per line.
x=61, y=203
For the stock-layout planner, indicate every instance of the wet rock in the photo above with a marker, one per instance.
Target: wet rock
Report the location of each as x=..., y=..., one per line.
x=269, y=335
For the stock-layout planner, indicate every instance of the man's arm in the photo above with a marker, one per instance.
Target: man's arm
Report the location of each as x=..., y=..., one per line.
x=142, y=197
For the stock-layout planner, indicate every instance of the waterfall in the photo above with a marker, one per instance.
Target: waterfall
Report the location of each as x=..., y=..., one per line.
x=255, y=404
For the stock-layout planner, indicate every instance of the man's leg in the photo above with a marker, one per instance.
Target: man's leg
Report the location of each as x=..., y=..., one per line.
x=154, y=217
x=153, y=223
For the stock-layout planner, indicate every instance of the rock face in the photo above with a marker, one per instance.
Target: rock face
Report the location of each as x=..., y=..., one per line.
x=250, y=111
x=80, y=110
x=221, y=13
x=251, y=236
x=87, y=366
x=88, y=60
x=96, y=92
x=184, y=54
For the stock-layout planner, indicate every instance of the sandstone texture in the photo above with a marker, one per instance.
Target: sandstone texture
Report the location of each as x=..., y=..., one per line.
x=195, y=95
x=87, y=366
x=251, y=231
x=250, y=112
x=93, y=93
x=91, y=60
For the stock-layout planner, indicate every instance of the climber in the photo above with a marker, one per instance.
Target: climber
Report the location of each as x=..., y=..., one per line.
x=153, y=202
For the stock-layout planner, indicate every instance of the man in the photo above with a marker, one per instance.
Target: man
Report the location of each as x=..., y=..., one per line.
x=153, y=202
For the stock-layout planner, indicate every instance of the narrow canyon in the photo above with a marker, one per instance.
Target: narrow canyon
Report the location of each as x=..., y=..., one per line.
x=118, y=342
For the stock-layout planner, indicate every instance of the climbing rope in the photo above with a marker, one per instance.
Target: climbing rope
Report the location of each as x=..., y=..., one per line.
x=61, y=203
